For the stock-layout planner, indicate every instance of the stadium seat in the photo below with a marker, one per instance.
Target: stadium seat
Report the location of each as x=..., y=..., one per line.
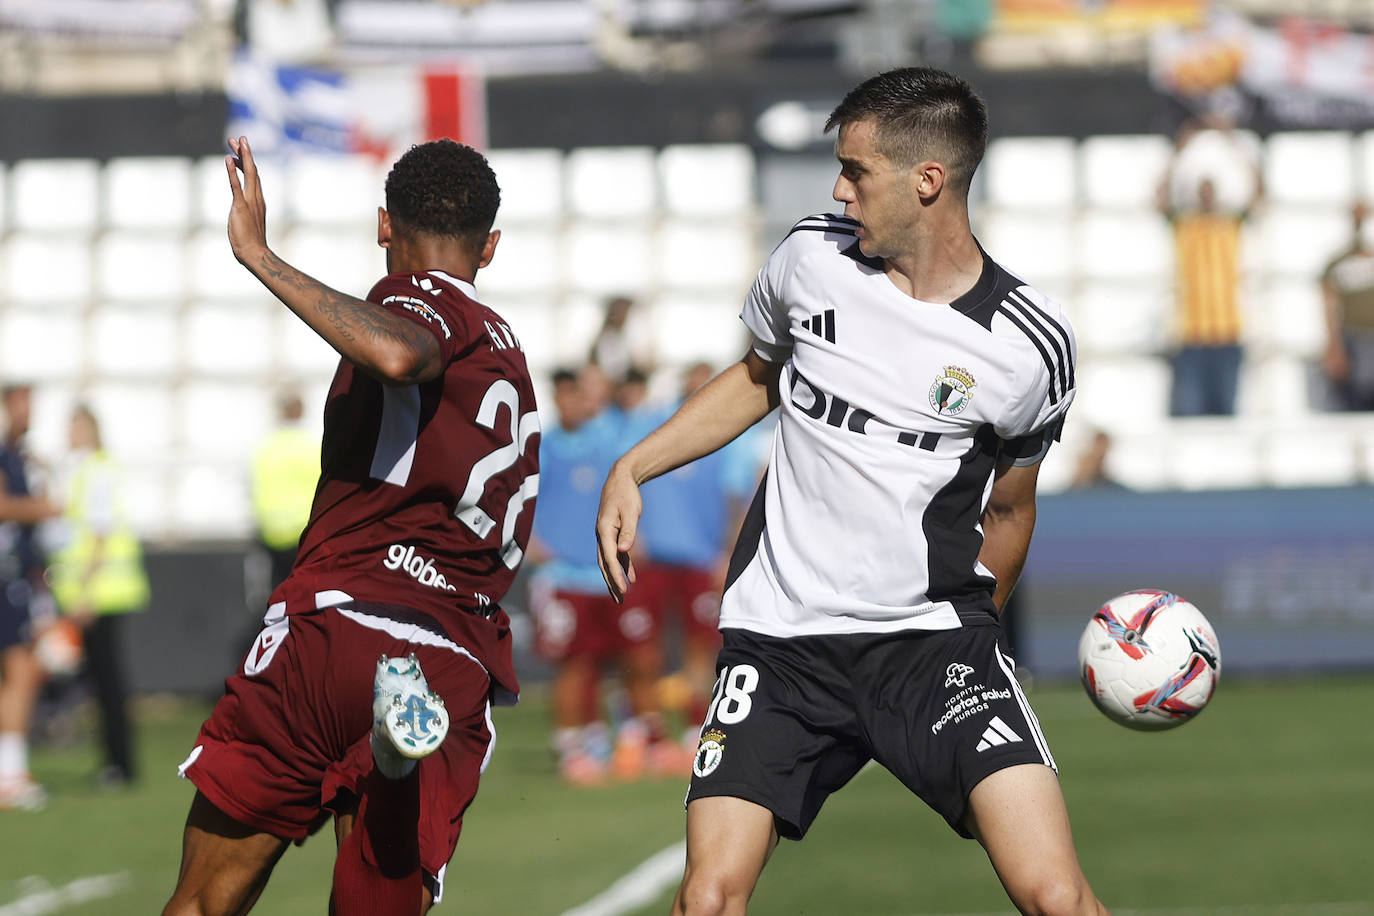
x=609, y=258
x=47, y=271
x=128, y=343
x=718, y=256
x=223, y=339
x=1286, y=316
x=1136, y=460
x=134, y=267
x=1037, y=247
x=1123, y=172
x=1125, y=246
x=1300, y=241
x=210, y=189
x=4, y=197
x=55, y=195
x=210, y=499
x=331, y=189
x=531, y=183
x=136, y=419
x=147, y=496
x=1275, y=387
x=608, y=182
x=50, y=429
x=347, y=259
x=1122, y=395
x=1031, y=173
x=689, y=328
x=152, y=192
x=301, y=351
x=1118, y=317
x=708, y=180
x=212, y=272
x=526, y=263
x=1323, y=455
x=41, y=345
x=1325, y=160
x=222, y=419
x=1212, y=454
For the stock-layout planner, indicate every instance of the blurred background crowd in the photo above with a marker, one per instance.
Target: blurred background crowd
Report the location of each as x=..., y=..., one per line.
x=1190, y=178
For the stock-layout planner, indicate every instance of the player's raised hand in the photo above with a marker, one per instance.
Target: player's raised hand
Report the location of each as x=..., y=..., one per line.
x=248, y=212
x=616, y=522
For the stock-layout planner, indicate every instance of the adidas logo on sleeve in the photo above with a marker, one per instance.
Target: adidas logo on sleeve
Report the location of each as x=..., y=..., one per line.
x=822, y=325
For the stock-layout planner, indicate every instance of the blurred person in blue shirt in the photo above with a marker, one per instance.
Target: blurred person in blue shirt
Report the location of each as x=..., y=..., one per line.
x=577, y=625
x=691, y=518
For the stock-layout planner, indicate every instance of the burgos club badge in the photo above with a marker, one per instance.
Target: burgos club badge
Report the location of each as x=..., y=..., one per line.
x=952, y=391
x=709, y=753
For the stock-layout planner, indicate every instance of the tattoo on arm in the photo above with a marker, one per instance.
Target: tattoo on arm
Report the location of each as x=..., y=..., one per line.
x=356, y=324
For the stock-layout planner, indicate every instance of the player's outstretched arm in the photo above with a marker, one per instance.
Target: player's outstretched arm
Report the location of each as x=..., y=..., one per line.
x=390, y=349
x=714, y=415
x=1008, y=523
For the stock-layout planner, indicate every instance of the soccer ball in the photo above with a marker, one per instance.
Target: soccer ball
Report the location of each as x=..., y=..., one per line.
x=1149, y=660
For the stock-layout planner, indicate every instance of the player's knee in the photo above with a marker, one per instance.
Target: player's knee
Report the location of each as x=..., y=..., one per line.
x=1056, y=895
x=713, y=894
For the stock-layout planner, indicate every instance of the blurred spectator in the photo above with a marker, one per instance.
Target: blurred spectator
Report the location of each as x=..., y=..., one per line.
x=98, y=578
x=286, y=468
x=1348, y=289
x=1090, y=471
x=632, y=391
x=1207, y=288
x=622, y=341
x=691, y=518
x=578, y=626
x=23, y=604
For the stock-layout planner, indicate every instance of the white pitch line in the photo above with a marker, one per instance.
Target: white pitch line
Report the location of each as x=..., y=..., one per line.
x=640, y=887
x=37, y=897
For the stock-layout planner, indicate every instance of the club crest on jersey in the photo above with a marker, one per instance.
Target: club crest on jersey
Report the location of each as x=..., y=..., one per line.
x=952, y=391
x=709, y=753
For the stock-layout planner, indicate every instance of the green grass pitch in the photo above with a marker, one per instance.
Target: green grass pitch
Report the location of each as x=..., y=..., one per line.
x=1261, y=806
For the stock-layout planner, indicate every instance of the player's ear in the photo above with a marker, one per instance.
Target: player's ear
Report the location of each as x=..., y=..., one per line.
x=489, y=248
x=383, y=227
x=930, y=178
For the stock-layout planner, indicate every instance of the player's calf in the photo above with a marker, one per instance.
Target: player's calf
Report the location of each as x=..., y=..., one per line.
x=409, y=721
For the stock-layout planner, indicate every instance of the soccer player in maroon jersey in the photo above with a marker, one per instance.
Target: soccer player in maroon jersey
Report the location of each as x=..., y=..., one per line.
x=429, y=469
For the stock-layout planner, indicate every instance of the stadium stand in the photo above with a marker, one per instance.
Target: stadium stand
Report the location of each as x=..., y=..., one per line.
x=117, y=285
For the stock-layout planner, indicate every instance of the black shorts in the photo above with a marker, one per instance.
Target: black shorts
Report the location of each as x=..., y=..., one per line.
x=792, y=720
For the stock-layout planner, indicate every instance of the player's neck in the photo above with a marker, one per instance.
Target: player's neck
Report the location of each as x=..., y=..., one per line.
x=942, y=263
x=419, y=254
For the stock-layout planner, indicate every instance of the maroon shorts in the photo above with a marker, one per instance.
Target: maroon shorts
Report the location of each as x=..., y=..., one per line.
x=292, y=731
x=692, y=594
x=576, y=624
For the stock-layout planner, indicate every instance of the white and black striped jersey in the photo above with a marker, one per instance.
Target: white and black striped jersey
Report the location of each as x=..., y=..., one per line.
x=895, y=413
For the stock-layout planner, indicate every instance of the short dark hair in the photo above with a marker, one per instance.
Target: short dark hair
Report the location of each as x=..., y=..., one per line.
x=563, y=375
x=921, y=113
x=443, y=188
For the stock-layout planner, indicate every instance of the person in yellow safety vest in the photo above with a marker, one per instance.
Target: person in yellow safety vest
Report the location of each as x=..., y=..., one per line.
x=97, y=578
x=286, y=468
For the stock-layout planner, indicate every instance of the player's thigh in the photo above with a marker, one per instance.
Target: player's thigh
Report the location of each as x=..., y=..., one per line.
x=1019, y=816
x=943, y=711
x=224, y=863
x=729, y=840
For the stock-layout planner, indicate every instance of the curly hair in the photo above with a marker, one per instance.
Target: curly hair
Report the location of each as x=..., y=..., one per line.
x=921, y=113
x=443, y=188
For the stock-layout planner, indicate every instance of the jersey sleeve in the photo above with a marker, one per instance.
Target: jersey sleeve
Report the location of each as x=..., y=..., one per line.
x=1035, y=421
x=403, y=296
x=765, y=312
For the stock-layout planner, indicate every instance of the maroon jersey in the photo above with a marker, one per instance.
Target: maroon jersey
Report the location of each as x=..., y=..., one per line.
x=426, y=493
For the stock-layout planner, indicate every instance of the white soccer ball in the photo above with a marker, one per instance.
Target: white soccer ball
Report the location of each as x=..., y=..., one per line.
x=1149, y=660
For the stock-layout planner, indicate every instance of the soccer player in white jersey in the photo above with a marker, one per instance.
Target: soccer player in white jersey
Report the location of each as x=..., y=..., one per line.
x=920, y=384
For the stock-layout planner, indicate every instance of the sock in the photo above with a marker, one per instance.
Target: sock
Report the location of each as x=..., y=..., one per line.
x=14, y=755
x=377, y=872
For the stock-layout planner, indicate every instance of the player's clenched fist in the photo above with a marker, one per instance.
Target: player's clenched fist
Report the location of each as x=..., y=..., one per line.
x=616, y=522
